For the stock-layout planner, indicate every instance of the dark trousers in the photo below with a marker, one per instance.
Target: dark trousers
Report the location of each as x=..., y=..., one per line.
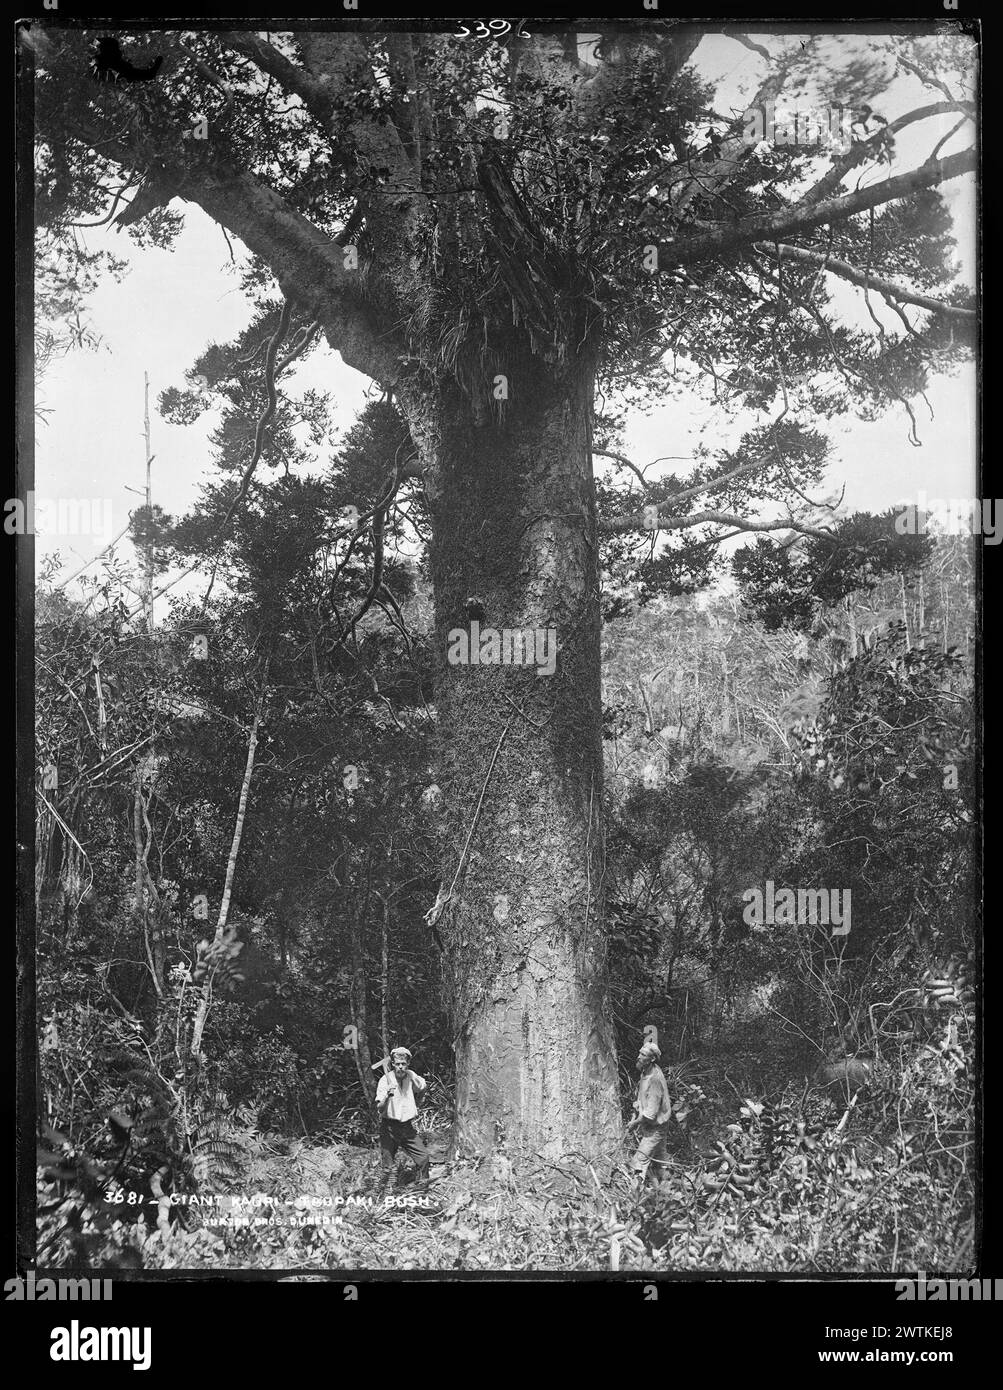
x=402, y=1134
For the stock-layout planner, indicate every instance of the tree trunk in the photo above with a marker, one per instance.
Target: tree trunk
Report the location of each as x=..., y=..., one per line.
x=384, y=973
x=921, y=612
x=205, y=999
x=148, y=565
x=147, y=906
x=725, y=706
x=359, y=1002
x=285, y=894
x=851, y=618
x=905, y=613
x=514, y=525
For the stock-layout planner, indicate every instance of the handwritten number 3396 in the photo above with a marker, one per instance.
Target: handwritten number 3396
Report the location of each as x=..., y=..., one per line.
x=495, y=27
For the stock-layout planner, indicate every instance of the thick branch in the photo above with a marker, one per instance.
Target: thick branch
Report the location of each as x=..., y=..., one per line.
x=714, y=178
x=624, y=525
x=863, y=149
x=308, y=266
x=339, y=63
x=775, y=226
x=675, y=48
x=292, y=78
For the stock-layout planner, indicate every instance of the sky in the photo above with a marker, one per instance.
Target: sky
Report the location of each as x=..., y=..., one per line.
x=172, y=304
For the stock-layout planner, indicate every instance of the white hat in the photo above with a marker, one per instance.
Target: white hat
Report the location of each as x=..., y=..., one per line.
x=398, y=1051
x=650, y=1049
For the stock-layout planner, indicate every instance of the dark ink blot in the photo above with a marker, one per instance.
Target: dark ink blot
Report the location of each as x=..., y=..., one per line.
x=108, y=64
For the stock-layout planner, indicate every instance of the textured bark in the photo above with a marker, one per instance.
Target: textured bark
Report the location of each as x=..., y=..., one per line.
x=514, y=523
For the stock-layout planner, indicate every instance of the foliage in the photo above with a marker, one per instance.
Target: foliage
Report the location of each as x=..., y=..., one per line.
x=787, y=585
x=767, y=752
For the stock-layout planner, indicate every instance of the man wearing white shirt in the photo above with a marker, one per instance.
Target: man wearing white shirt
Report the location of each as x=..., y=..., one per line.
x=396, y=1102
x=654, y=1110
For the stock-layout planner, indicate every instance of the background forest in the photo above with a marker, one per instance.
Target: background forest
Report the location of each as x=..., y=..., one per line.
x=236, y=837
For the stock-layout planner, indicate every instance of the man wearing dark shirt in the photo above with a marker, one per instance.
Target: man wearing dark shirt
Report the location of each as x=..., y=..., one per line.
x=654, y=1110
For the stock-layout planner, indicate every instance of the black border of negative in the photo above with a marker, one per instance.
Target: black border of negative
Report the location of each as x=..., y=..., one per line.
x=779, y=16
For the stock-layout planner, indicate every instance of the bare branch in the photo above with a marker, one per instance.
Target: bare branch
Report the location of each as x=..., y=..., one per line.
x=926, y=78
x=624, y=525
x=748, y=43
x=742, y=471
x=624, y=462
x=867, y=281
